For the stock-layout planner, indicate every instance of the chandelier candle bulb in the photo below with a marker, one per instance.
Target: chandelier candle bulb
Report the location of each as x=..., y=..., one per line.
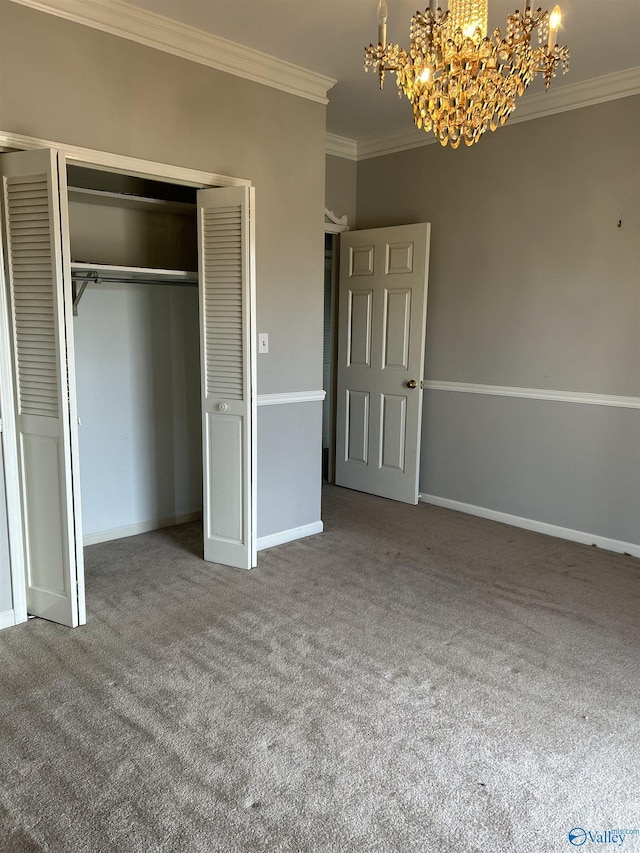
x=383, y=14
x=555, y=19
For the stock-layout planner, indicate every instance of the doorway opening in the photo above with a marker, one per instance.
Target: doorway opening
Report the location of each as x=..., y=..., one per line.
x=328, y=356
x=334, y=226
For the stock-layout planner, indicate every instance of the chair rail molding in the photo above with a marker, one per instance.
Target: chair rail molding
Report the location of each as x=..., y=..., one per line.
x=288, y=397
x=583, y=397
x=119, y=18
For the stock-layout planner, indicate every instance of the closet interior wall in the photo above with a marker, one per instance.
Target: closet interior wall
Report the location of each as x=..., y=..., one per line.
x=136, y=354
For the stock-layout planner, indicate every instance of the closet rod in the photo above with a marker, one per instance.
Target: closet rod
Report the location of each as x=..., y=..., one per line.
x=103, y=279
x=86, y=278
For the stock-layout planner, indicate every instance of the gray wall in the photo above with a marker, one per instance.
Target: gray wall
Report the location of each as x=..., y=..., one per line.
x=73, y=84
x=571, y=465
x=340, y=187
x=282, y=447
x=532, y=285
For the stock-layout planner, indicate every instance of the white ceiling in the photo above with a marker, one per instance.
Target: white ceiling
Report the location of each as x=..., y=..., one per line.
x=328, y=36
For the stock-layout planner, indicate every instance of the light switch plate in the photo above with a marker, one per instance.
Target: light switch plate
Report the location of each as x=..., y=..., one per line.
x=263, y=342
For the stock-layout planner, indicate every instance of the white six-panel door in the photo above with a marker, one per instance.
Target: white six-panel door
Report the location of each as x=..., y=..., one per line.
x=227, y=329
x=36, y=225
x=381, y=341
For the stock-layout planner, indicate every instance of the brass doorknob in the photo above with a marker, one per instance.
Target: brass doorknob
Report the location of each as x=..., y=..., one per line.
x=412, y=383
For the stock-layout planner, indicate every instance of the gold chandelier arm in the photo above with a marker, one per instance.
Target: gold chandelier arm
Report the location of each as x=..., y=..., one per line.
x=384, y=58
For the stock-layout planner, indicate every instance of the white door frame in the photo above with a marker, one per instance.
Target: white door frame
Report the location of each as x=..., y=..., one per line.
x=334, y=226
x=92, y=159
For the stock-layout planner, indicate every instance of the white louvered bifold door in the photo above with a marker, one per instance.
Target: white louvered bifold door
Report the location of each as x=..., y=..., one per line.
x=35, y=225
x=226, y=275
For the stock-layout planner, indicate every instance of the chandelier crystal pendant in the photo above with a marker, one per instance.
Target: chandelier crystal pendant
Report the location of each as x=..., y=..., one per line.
x=461, y=82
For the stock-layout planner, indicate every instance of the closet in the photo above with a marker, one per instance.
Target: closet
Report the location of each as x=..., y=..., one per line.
x=103, y=307
x=134, y=281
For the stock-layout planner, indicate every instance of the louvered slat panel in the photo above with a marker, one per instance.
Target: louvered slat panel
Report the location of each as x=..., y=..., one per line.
x=32, y=296
x=222, y=274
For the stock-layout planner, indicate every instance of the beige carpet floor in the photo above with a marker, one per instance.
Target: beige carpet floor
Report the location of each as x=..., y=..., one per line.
x=412, y=679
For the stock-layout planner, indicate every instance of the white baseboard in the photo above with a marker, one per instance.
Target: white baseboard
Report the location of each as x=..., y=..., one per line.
x=580, y=536
x=7, y=619
x=140, y=527
x=156, y=524
x=289, y=535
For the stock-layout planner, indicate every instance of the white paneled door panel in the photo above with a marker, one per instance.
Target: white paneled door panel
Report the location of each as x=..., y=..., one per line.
x=36, y=236
x=227, y=318
x=381, y=341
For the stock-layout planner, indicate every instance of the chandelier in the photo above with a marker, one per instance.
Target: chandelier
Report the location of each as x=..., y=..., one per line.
x=460, y=81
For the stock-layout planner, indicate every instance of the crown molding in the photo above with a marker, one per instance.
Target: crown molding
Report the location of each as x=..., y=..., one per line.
x=121, y=19
x=342, y=146
x=391, y=143
x=574, y=96
x=608, y=87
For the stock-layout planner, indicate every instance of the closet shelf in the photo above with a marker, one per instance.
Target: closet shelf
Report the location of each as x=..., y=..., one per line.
x=135, y=202
x=83, y=273
x=82, y=270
